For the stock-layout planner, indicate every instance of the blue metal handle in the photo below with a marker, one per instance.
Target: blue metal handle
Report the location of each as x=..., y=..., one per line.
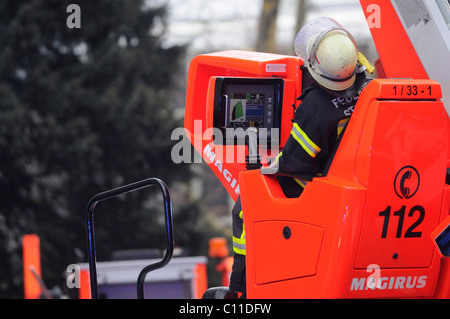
x=91, y=234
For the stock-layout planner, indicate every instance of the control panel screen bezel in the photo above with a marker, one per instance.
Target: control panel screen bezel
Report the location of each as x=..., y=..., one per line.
x=240, y=103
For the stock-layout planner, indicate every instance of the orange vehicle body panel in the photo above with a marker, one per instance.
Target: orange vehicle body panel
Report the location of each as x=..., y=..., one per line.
x=339, y=225
x=366, y=229
x=85, y=285
x=203, y=71
x=200, y=282
x=31, y=261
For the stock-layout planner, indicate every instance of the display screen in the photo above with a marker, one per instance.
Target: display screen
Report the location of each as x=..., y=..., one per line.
x=246, y=106
x=240, y=103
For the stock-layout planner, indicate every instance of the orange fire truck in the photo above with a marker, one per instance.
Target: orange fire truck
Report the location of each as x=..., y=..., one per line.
x=378, y=224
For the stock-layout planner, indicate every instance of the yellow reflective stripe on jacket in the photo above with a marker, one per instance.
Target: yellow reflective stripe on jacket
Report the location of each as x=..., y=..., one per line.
x=301, y=182
x=341, y=125
x=278, y=156
x=239, y=243
x=303, y=139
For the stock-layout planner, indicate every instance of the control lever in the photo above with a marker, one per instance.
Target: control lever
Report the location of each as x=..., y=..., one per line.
x=253, y=160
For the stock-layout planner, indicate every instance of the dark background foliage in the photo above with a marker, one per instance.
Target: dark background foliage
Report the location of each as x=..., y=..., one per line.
x=85, y=110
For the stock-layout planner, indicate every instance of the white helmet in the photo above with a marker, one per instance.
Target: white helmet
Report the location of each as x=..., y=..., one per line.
x=329, y=52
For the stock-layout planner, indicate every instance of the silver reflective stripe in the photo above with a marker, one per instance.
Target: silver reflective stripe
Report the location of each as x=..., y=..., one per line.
x=341, y=125
x=239, y=248
x=308, y=145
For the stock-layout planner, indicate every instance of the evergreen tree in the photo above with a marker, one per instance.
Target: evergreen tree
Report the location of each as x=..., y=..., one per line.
x=82, y=110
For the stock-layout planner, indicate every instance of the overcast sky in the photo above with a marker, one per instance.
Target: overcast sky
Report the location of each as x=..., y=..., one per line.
x=214, y=25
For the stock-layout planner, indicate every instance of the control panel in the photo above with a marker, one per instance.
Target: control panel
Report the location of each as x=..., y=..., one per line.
x=240, y=103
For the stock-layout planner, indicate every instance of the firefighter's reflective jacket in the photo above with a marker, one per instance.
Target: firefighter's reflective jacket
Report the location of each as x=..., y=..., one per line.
x=316, y=127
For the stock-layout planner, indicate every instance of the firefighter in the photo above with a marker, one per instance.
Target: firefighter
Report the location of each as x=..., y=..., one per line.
x=330, y=55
